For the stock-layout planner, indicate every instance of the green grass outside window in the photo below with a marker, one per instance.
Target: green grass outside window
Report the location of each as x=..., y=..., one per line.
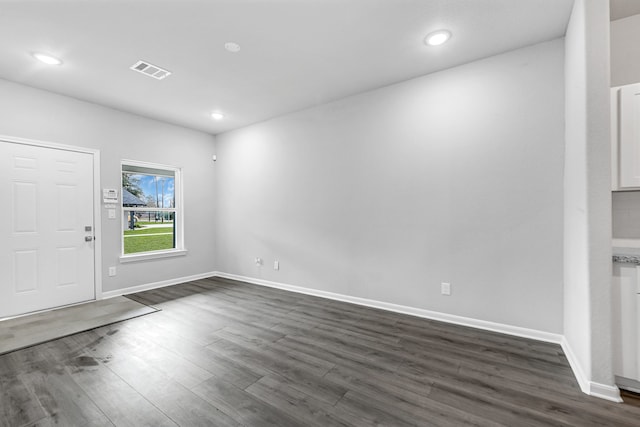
x=147, y=240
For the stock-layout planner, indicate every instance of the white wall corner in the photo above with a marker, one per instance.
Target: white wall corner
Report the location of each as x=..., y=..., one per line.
x=603, y=391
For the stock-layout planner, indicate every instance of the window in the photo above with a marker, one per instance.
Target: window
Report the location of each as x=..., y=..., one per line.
x=151, y=211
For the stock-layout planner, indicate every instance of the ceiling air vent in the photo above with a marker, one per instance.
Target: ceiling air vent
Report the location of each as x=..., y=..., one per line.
x=150, y=70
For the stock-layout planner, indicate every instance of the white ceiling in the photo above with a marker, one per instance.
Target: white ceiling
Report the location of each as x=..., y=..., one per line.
x=294, y=53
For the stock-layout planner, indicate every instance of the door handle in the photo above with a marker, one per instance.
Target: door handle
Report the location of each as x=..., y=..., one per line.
x=88, y=238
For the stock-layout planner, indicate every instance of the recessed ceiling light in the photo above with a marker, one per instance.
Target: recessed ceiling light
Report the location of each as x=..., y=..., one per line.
x=217, y=116
x=232, y=47
x=437, y=37
x=47, y=59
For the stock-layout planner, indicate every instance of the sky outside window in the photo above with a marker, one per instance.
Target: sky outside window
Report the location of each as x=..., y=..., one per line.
x=158, y=191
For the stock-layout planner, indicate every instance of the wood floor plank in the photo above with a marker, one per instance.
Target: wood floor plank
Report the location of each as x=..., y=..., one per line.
x=187, y=328
x=402, y=399
x=418, y=327
x=45, y=422
x=221, y=367
x=63, y=400
x=175, y=400
x=267, y=348
x=120, y=402
x=169, y=363
x=18, y=406
x=355, y=409
x=277, y=392
x=250, y=333
x=305, y=379
x=242, y=406
x=527, y=401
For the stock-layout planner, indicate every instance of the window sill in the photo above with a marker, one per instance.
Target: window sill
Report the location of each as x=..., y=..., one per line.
x=152, y=255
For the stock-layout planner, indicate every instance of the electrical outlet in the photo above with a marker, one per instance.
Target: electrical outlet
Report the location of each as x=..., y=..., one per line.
x=445, y=288
x=112, y=271
x=276, y=265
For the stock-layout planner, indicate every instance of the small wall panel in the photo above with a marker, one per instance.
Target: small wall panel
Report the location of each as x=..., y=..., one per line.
x=25, y=207
x=25, y=271
x=68, y=167
x=67, y=266
x=67, y=205
x=25, y=163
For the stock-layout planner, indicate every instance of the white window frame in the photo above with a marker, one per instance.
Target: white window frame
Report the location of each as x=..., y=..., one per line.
x=179, y=249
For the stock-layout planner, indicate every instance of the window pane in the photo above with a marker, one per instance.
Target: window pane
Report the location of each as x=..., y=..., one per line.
x=149, y=208
x=148, y=231
x=140, y=190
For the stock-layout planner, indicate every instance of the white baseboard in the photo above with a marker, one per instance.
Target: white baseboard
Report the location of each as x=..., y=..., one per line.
x=604, y=391
x=418, y=312
x=155, y=285
x=575, y=366
x=591, y=388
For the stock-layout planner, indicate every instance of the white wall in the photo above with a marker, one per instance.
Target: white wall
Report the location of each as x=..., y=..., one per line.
x=35, y=114
x=625, y=51
x=587, y=203
x=454, y=176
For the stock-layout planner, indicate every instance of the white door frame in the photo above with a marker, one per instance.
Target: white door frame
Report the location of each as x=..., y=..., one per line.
x=97, y=213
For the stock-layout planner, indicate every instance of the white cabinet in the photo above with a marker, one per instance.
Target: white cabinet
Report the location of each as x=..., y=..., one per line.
x=625, y=137
x=626, y=325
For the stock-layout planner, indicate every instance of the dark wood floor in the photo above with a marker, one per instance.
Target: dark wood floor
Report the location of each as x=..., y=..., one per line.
x=223, y=353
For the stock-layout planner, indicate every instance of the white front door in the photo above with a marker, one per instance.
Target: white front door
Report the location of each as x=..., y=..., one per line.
x=46, y=228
